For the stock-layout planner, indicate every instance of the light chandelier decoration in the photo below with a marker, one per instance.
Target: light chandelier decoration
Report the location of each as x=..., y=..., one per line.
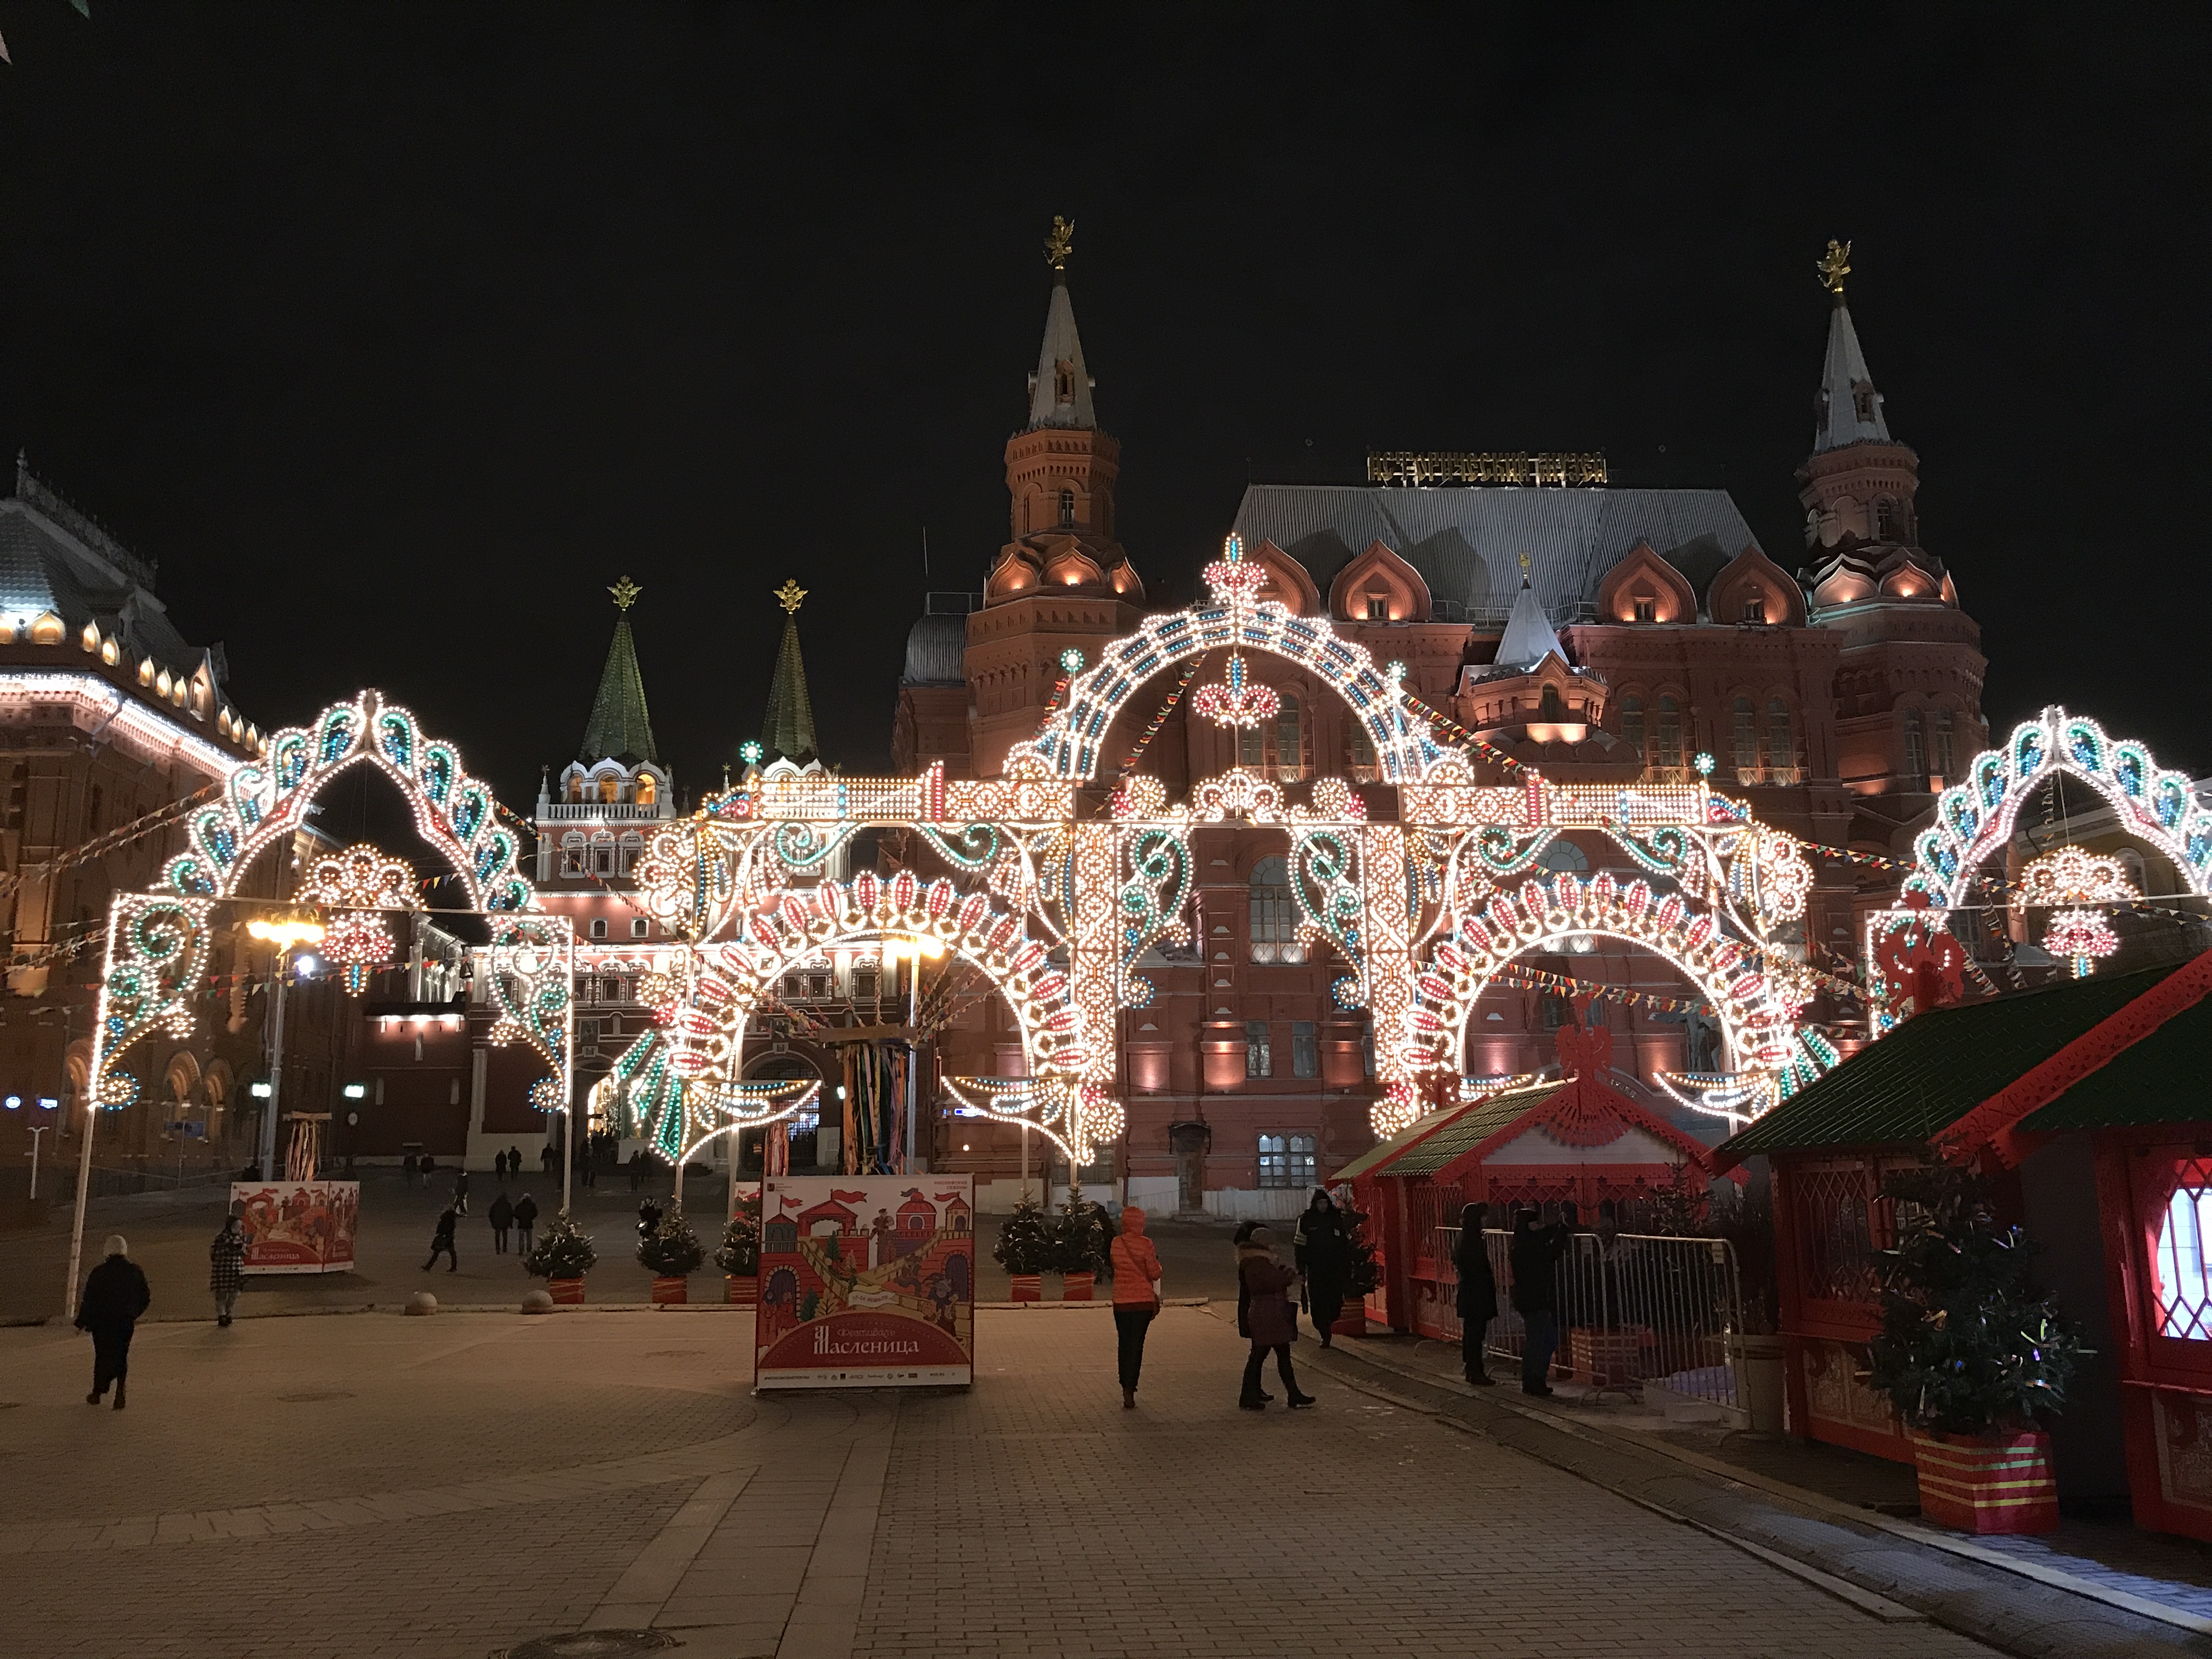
x=1236, y=701
x=361, y=881
x=2075, y=878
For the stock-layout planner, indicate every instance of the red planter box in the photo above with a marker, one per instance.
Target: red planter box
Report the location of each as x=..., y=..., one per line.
x=1076, y=1287
x=2001, y=1483
x=666, y=1290
x=743, y=1290
x=1028, y=1287
x=568, y=1293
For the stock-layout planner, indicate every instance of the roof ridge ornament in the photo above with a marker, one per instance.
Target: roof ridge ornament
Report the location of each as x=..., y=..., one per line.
x=790, y=596
x=1834, y=265
x=625, y=592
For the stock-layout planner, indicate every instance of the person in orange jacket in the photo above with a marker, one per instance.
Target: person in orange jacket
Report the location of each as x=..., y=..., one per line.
x=1136, y=1297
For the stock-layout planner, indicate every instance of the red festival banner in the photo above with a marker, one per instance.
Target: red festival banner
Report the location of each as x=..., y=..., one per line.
x=866, y=1281
x=297, y=1226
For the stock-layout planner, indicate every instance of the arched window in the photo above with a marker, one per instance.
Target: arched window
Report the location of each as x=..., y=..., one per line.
x=610, y=790
x=1289, y=764
x=603, y=856
x=1943, y=754
x=1670, y=732
x=572, y=853
x=575, y=790
x=647, y=790
x=1550, y=708
x=1747, y=739
x=1916, y=749
x=1359, y=749
x=1274, y=918
x=628, y=851
x=1252, y=748
x=1885, y=520
x=1066, y=509
x=1781, y=740
x=1632, y=724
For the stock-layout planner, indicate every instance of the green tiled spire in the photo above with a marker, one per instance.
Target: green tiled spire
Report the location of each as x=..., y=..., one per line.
x=788, y=730
x=619, y=728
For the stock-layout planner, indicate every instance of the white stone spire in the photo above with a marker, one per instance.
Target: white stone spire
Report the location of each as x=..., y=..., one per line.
x=1849, y=409
x=1059, y=391
x=1529, y=636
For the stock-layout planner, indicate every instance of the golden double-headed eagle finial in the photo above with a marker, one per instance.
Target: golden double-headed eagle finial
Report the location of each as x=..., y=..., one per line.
x=1060, y=242
x=1834, y=265
x=789, y=596
x=625, y=592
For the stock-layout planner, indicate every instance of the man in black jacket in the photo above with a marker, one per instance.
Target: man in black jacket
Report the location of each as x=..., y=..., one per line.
x=1535, y=1257
x=115, y=1294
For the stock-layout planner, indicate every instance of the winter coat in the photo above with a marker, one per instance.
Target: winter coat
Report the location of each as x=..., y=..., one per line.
x=1136, y=1262
x=446, y=1223
x=1535, y=1254
x=1264, y=1311
x=503, y=1214
x=525, y=1212
x=1324, y=1252
x=226, y=1263
x=1477, y=1284
x=115, y=1294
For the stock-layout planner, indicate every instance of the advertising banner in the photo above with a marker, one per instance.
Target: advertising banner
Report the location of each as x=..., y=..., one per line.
x=297, y=1226
x=865, y=1282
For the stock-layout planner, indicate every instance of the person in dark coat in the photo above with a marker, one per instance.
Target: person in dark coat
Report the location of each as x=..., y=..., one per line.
x=1264, y=1314
x=461, y=1193
x=407, y=1167
x=501, y=1216
x=499, y=1168
x=515, y=1163
x=227, y=1268
x=526, y=1222
x=115, y=1294
x=1535, y=1257
x=441, y=1242
x=1478, y=1293
x=1322, y=1251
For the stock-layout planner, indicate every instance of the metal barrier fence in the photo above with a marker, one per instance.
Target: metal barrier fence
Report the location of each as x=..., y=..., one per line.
x=1636, y=1309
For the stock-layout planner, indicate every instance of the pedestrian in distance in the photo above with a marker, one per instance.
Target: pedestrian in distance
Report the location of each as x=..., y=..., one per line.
x=461, y=1192
x=526, y=1222
x=1535, y=1259
x=407, y=1167
x=115, y=1294
x=515, y=1163
x=428, y=1166
x=1136, y=1267
x=545, y=1156
x=499, y=1168
x=1266, y=1315
x=441, y=1242
x=1478, y=1293
x=1322, y=1251
x=502, y=1217
x=227, y=1268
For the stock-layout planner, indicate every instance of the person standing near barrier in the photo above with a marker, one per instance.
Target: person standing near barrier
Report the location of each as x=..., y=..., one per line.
x=1322, y=1251
x=1478, y=1293
x=1264, y=1314
x=115, y=1294
x=1136, y=1268
x=1534, y=1258
x=227, y=1268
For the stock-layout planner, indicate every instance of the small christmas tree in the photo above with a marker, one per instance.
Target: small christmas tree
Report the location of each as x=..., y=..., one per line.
x=672, y=1249
x=1078, y=1238
x=1365, y=1275
x=740, y=1251
x=563, y=1251
x=1968, y=1345
x=1025, y=1243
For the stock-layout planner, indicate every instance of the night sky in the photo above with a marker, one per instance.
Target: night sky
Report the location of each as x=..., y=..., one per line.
x=397, y=332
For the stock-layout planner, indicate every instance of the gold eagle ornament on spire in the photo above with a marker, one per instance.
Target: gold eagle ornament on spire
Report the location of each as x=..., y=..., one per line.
x=1834, y=265
x=790, y=596
x=1060, y=242
x=625, y=592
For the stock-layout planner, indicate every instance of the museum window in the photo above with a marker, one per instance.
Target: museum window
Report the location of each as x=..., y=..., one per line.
x=1287, y=1161
x=1747, y=739
x=1066, y=508
x=1549, y=709
x=1258, y=1055
x=599, y=927
x=1885, y=520
x=1670, y=732
x=1251, y=748
x=1275, y=924
x=1647, y=610
x=610, y=791
x=1781, y=740
x=1305, y=1050
x=1359, y=751
x=1943, y=756
x=1290, y=748
x=1754, y=609
x=1863, y=401
x=587, y=1036
x=1916, y=751
x=572, y=855
x=647, y=790
x=1378, y=607
x=640, y=927
x=1632, y=724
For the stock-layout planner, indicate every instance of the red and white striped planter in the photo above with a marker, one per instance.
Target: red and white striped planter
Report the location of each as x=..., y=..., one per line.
x=1028, y=1287
x=668, y=1289
x=743, y=1290
x=566, y=1292
x=1987, y=1484
x=1077, y=1287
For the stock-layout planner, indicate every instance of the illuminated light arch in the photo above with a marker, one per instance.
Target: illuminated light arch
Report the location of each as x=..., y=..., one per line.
x=1974, y=819
x=1069, y=745
x=267, y=798
x=1756, y=1027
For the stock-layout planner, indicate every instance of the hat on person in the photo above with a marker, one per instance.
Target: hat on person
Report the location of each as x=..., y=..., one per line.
x=1262, y=1236
x=116, y=1245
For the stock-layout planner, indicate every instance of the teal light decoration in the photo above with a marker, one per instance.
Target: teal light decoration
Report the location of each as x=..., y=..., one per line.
x=1071, y=662
x=1704, y=763
x=751, y=751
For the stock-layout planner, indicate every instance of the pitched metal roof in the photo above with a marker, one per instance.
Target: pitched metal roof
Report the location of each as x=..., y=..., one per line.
x=936, y=652
x=1427, y=1146
x=2157, y=1080
x=1844, y=375
x=1466, y=542
x=1528, y=638
x=1936, y=1068
x=619, y=728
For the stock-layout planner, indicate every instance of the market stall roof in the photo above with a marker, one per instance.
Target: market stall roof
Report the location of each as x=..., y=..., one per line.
x=1474, y=1129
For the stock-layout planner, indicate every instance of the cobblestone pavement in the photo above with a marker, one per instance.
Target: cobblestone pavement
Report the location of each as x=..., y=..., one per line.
x=369, y=1485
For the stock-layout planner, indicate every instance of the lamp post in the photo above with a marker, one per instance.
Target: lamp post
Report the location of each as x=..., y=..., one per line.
x=37, y=1129
x=286, y=935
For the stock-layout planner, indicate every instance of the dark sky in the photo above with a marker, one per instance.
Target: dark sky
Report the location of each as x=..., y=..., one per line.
x=397, y=332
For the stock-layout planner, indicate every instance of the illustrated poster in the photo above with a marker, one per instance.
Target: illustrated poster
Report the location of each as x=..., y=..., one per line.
x=297, y=1226
x=866, y=1281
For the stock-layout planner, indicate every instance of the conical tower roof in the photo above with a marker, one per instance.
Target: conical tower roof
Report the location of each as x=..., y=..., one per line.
x=1059, y=391
x=1849, y=409
x=619, y=728
x=1528, y=637
x=788, y=728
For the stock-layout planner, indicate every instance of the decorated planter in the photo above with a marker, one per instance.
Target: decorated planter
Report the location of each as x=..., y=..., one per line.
x=1028, y=1287
x=566, y=1292
x=1076, y=1287
x=1354, y=1323
x=667, y=1288
x=743, y=1290
x=1987, y=1483
x=1606, y=1359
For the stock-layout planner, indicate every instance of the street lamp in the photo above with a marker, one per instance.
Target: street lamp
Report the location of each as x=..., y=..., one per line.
x=287, y=933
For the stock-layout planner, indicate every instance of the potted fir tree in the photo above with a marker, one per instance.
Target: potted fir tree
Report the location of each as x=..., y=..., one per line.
x=563, y=1254
x=1970, y=1355
x=1367, y=1274
x=1079, y=1246
x=739, y=1256
x=1024, y=1245
x=672, y=1251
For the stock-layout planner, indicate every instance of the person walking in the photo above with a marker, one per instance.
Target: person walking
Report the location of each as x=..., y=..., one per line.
x=407, y=1167
x=1322, y=1247
x=115, y=1294
x=227, y=1268
x=1264, y=1314
x=499, y=1168
x=545, y=1159
x=526, y=1222
x=1534, y=1258
x=461, y=1191
x=441, y=1242
x=515, y=1163
x=501, y=1216
x=1136, y=1268
x=1478, y=1293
